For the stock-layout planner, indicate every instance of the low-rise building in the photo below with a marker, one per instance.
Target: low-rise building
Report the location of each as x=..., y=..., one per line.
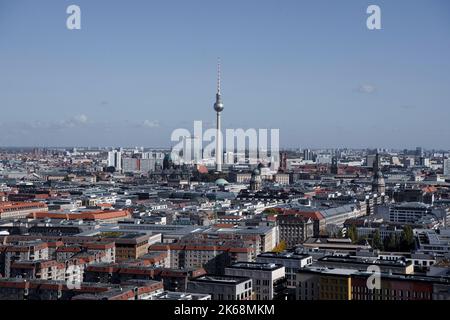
x=20, y=210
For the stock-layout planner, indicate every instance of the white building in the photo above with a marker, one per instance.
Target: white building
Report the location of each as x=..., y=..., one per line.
x=115, y=159
x=446, y=167
x=292, y=262
x=222, y=287
x=269, y=279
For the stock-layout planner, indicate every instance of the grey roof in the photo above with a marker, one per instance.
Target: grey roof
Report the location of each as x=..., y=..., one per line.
x=337, y=210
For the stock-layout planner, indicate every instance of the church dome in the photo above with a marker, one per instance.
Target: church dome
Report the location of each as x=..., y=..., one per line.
x=256, y=172
x=221, y=182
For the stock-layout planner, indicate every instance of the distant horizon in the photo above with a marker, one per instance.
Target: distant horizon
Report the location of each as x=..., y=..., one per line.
x=281, y=150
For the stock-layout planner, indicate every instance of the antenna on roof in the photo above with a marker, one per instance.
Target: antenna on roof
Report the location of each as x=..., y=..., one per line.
x=218, y=75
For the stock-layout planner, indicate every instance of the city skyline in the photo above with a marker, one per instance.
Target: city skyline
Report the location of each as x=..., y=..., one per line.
x=312, y=70
x=224, y=158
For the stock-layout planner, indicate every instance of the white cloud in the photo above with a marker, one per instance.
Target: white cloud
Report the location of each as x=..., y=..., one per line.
x=81, y=118
x=75, y=121
x=367, y=88
x=151, y=124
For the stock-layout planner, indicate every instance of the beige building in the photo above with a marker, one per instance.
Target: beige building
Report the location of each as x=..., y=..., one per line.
x=20, y=210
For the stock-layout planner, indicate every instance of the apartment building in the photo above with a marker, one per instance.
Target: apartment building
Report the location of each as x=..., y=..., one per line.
x=294, y=228
x=267, y=237
x=173, y=280
x=212, y=254
x=11, y=253
x=269, y=279
x=292, y=263
x=20, y=289
x=20, y=210
x=222, y=287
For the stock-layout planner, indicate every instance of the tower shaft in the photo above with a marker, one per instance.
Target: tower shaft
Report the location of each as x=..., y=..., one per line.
x=219, y=152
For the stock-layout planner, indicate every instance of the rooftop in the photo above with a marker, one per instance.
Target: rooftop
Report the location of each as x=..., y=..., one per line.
x=256, y=266
x=221, y=279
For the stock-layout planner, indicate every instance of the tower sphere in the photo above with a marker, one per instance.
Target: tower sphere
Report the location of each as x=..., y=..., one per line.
x=218, y=105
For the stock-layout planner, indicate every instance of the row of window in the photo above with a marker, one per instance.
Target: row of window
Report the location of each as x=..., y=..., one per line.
x=264, y=282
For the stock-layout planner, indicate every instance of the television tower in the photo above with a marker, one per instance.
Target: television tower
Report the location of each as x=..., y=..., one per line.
x=218, y=107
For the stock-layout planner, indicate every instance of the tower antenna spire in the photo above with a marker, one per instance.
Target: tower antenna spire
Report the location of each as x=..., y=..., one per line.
x=218, y=75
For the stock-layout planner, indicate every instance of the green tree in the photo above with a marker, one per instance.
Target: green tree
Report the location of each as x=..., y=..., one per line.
x=407, y=239
x=392, y=243
x=376, y=240
x=352, y=233
x=271, y=211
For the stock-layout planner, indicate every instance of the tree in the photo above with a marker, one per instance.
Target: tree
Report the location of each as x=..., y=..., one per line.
x=392, y=242
x=352, y=233
x=376, y=240
x=271, y=211
x=407, y=239
x=280, y=247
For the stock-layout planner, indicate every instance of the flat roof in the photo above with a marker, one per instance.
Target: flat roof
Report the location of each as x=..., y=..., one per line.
x=286, y=255
x=256, y=266
x=387, y=263
x=220, y=279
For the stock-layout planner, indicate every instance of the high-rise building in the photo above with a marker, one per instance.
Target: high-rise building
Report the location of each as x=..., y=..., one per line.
x=447, y=167
x=308, y=155
x=370, y=159
x=424, y=162
x=409, y=162
x=135, y=165
x=218, y=107
x=419, y=151
x=334, y=165
x=115, y=159
x=130, y=164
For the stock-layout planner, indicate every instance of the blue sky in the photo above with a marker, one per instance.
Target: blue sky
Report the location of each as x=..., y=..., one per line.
x=138, y=69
